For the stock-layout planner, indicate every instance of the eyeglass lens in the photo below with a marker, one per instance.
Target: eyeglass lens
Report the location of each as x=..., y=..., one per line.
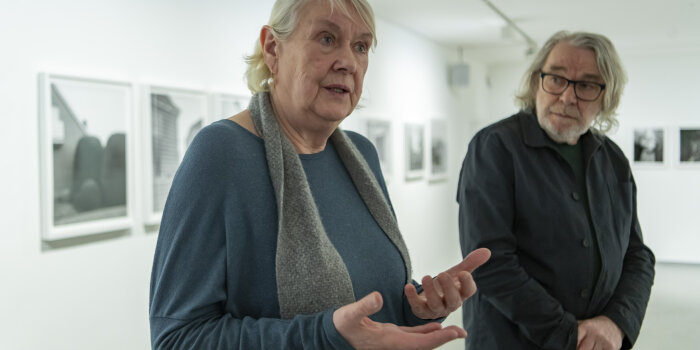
x=586, y=91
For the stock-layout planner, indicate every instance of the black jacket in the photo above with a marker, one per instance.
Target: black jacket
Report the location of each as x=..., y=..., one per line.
x=517, y=197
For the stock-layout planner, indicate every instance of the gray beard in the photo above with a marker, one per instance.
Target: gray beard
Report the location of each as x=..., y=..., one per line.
x=570, y=135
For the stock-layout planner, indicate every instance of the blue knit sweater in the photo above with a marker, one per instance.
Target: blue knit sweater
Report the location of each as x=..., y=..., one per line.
x=213, y=283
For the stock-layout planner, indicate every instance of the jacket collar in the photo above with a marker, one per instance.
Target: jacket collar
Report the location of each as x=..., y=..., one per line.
x=535, y=136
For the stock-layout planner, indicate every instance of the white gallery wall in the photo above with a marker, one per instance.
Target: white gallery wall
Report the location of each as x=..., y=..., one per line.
x=92, y=292
x=662, y=92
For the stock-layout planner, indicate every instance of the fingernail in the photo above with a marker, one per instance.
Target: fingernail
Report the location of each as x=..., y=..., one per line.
x=374, y=303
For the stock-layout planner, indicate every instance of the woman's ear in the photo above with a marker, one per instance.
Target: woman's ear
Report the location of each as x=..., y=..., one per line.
x=268, y=42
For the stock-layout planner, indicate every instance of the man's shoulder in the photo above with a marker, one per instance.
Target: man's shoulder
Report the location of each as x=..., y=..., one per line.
x=613, y=150
x=508, y=128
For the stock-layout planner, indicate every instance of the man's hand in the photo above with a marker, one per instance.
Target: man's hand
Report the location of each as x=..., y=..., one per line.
x=599, y=333
x=446, y=292
x=353, y=323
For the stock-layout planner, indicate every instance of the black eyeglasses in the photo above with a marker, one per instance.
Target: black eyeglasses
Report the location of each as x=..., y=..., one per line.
x=584, y=90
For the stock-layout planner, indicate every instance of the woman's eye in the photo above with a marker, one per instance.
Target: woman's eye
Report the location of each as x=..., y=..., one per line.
x=327, y=40
x=361, y=47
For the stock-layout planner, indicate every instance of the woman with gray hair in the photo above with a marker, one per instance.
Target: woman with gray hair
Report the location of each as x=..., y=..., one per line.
x=278, y=232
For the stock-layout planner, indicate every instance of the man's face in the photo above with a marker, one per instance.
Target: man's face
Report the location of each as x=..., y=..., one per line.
x=564, y=117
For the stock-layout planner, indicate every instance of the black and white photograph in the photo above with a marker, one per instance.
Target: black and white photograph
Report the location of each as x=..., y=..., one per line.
x=649, y=145
x=84, y=137
x=175, y=117
x=690, y=145
x=438, y=150
x=415, y=151
x=228, y=105
x=379, y=133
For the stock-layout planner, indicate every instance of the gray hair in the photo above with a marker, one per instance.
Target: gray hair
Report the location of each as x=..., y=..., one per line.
x=609, y=65
x=283, y=20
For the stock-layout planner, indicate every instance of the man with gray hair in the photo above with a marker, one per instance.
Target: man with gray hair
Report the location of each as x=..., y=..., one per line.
x=554, y=200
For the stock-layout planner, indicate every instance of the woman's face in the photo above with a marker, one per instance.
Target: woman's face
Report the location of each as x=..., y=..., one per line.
x=318, y=72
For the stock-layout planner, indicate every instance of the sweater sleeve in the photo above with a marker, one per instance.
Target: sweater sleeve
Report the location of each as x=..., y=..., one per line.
x=189, y=295
x=486, y=217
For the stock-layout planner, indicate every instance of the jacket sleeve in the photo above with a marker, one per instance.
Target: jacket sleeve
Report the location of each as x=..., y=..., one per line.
x=189, y=292
x=629, y=302
x=486, y=219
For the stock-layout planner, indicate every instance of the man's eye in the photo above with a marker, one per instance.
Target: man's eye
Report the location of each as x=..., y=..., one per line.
x=586, y=86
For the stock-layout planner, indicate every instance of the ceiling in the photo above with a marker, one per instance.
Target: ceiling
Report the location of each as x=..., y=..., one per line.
x=634, y=26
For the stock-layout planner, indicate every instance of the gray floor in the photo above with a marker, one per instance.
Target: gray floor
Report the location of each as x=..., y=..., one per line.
x=673, y=316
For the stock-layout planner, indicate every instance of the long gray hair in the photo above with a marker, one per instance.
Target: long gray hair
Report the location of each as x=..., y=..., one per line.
x=609, y=66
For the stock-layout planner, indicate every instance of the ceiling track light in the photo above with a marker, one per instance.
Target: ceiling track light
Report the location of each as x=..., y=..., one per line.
x=531, y=44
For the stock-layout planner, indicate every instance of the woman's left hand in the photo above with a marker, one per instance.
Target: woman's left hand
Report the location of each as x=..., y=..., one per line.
x=446, y=292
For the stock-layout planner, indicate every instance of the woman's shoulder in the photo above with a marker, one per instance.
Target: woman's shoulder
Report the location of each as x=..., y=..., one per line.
x=363, y=144
x=226, y=138
x=222, y=147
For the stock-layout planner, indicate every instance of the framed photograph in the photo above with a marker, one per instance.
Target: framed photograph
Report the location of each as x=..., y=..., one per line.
x=689, y=142
x=173, y=118
x=85, y=155
x=414, y=151
x=228, y=105
x=379, y=132
x=649, y=146
x=438, y=150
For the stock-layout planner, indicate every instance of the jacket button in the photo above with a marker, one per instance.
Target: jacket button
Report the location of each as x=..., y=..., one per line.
x=585, y=293
x=575, y=196
x=585, y=243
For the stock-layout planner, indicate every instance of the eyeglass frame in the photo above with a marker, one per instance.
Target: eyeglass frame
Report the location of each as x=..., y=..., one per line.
x=569, y=82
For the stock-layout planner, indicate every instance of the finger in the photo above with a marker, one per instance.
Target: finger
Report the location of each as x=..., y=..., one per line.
x=475, y=259
x=416, y=301
x=581, y=334
x=587, y=343
x=433, y=298
x=430, y=340
x=461, y=332
x=452, y=298
x=468, y=286
x=366, y=306
x=411, y=293
x=426, y=328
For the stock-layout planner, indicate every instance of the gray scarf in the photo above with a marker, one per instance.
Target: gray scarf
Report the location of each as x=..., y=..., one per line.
x=311, y=275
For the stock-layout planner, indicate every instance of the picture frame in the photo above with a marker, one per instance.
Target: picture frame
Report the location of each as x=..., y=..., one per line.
x=689, y=146
x=379, y=132
x=173, y=116
x=86, y=155
x=437, y=165
x=649, y=146
x=414, y=141
x=227, y=105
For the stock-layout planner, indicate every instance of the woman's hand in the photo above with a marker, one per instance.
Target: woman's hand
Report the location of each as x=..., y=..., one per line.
x=446, y=292
x=353, y=323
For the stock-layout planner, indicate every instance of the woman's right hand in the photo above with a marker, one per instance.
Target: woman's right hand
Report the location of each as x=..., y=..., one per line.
x=353, y=323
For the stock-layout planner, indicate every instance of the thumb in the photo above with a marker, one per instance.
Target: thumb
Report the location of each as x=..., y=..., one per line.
x=366, y=306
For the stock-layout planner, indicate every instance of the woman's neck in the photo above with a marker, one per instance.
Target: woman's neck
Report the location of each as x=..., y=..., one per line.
x=306, y=137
